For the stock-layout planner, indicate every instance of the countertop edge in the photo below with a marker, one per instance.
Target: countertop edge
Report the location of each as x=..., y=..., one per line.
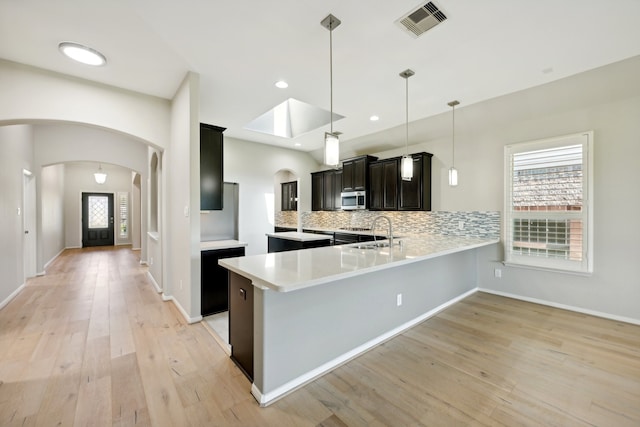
x=213, y=245
x=263, y=284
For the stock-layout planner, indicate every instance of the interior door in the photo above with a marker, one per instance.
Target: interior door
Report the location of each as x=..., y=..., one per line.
x=97, y=219
x=29, y=224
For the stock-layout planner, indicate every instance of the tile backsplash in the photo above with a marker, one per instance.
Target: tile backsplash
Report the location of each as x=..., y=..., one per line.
x=460, y=223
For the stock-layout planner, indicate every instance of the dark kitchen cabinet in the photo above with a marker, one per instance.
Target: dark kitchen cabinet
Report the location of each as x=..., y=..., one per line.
x=241, y=322
x=211, y=167
x=325, y=190
x=276, y=244
x=214, y=280
x=383, y=184
x=355, y=173
x=289, y=193
x=415, y=195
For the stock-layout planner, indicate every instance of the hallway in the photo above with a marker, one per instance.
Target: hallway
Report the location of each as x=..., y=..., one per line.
x=92, y=343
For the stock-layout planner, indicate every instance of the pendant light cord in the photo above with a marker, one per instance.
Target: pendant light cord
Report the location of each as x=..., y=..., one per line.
x=407, y=118
x=453, y=136
x=331, y=74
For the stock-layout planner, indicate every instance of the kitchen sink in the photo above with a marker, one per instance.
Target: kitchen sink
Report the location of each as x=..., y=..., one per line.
x=371, y=245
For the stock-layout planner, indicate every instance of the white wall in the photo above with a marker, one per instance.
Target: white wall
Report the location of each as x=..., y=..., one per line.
x=52, y=179
x=79, y=179
x=31, y=94
x=253, y=166
x=16, y=154
x=182, y=182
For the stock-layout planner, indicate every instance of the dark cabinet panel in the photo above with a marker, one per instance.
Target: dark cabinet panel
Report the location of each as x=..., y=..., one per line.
x=355, y=173
x=289, y=194
x=317, y=194
x=214, y=280
x=211, y=167
x=276, y=244
x=325, y=190
x=383, y=186
x=415, y=195
x=337, y=189
x=241, y=322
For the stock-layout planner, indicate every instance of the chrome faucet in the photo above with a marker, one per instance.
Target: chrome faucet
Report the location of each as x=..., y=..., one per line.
x=389, y=230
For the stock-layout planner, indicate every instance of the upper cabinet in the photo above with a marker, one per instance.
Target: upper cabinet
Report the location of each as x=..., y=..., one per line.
x=211, y=167
x=355, y=173
x=388, y=192
x=383, y=185
x=415, y=195
x=289, y=193
x=325, y=190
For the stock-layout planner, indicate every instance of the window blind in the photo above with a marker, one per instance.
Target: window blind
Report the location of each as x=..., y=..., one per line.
x=546, y=213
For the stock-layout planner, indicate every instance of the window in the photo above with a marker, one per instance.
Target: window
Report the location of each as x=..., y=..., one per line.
x=98, y=212
x=123, y=215
x=548, y=203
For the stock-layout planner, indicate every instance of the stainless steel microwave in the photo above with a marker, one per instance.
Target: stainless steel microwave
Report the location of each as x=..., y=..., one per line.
x=353, y=200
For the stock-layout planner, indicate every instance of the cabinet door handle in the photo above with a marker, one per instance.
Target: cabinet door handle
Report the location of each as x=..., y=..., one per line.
x=243, y=294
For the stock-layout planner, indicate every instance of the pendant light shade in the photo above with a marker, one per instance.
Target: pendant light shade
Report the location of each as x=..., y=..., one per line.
x=331, y=149
x=406, y=168
x=331, y=140
x=100, y=176
x=453, y=172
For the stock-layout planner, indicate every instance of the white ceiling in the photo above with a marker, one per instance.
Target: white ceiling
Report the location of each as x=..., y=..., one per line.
x=241, y=48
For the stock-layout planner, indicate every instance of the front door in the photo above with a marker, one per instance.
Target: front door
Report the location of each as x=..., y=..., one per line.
x=97, y=219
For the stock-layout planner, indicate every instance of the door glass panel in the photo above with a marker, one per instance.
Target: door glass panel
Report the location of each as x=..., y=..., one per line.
x=98, y=212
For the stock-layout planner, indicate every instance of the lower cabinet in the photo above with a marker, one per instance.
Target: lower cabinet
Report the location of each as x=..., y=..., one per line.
x=214, y=280
x=276, y=244
x=241, y=322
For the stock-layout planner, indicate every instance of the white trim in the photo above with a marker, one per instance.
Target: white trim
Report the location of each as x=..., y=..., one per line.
x=190, y=320
x=564, y=306
x=153, y=281
x=53, y=259
x=11, y=296
x=283, y=390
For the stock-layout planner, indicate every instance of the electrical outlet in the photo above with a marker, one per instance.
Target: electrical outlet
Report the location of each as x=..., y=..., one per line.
x=460, y=225
x=399, y=300
x=151, y=261
x=497, y=273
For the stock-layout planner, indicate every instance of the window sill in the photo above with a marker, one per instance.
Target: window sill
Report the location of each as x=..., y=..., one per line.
x=548, y=269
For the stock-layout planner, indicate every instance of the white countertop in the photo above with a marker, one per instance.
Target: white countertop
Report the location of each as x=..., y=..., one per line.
x=292, y=270
x=300, y=237
x=221, y=244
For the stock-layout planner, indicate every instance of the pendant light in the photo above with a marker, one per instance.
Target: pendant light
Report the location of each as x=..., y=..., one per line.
x=453, y=172
x=331, y=140
x=100, y=176
x=406, y=167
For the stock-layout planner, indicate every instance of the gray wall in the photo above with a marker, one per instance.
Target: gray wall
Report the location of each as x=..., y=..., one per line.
x=296, y=332
x=605, y=100
x=52, y=230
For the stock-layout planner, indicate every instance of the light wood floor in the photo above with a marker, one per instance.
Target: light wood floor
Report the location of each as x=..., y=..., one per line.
x=91, y=343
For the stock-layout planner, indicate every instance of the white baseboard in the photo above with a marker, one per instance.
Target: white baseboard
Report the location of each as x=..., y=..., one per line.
x=52, y=259
x=182, y=311
x=153, y=282
x=266, y=399
x=13, y=294
x=564, y=306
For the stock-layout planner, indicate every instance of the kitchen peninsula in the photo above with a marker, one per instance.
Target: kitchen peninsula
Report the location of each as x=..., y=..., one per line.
x=314, y=309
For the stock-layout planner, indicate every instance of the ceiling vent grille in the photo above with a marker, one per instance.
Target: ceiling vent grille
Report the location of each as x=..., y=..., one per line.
x=422, y=19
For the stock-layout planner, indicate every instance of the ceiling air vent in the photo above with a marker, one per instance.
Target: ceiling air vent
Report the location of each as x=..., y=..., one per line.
x=422, y=19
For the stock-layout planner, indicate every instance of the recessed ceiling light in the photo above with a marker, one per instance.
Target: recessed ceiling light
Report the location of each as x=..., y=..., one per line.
x=297, y=144
x=82, y=54
x=374, y=118
x=282, y=84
